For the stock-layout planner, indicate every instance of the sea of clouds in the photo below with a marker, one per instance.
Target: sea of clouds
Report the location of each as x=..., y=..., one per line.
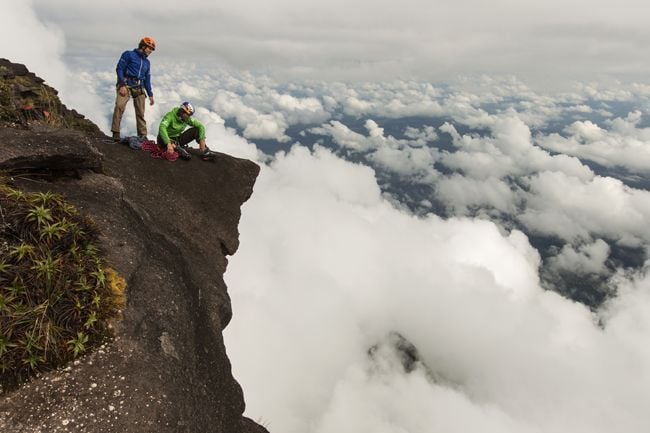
x=334, y=275
x=355, y=311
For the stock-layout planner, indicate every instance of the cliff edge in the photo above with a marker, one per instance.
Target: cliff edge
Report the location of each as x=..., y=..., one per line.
x=167, y=228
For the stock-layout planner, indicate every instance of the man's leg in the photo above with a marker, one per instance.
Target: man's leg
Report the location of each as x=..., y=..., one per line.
x=182, y=141
x=188, y=136
x=141, y=124
x=118, y=111
x=192, y=134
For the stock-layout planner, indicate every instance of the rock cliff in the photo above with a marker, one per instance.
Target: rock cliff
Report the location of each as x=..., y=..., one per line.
x=167, y=228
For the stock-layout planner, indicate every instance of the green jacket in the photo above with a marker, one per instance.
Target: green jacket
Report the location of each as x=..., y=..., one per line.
x=171, y=126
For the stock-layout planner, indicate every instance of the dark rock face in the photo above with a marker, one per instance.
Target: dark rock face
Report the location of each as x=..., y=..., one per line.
x=167, y=229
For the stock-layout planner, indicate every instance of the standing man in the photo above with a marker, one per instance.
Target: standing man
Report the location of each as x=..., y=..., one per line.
x=133, y=80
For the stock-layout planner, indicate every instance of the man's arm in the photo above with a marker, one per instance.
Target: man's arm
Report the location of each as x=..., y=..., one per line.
x=198, y=125
x=162, y=129
x=147, y=84
x=121, y=69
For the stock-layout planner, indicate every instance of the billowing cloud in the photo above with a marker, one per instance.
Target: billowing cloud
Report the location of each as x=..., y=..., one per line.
x=509, y=151
x=623, y=144
x=344, y=136
x=411, y=159
x=463, y=195
x=340, y=272
x=564, y=206
x=586, y=259
x=265, y=113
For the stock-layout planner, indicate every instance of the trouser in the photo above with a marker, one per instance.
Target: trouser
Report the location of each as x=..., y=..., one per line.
x=120, y=105
x=186, y=137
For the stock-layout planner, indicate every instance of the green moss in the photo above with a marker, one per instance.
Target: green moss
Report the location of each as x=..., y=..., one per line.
x=57, y=296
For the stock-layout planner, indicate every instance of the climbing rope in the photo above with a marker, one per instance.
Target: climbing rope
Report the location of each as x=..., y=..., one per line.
x=158, y=153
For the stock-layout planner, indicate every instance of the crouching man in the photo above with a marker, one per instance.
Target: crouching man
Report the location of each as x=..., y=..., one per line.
x=178, y=128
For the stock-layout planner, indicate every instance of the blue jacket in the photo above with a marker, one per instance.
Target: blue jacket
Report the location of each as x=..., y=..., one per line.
x=133, y=69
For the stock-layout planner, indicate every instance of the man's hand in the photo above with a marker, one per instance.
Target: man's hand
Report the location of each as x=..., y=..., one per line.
x=170, y=147
x=150, y=100
x=122, y=90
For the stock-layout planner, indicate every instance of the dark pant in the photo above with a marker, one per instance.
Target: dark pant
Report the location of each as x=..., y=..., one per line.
x=187, y=136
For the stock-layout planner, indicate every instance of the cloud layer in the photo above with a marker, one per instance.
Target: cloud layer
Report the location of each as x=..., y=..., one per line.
x=366, y=40
x=338, y=270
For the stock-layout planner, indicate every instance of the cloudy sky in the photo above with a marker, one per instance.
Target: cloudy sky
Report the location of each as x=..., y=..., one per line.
x=547, y=42
x=441, y=168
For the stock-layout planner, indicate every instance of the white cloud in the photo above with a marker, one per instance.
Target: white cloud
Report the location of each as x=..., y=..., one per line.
x=300, y=110
x=585, y=130
x=509, y=152
x=564, y=206
x=265, y=113
x=464, y=195
x=373, y=129
x=421, y=136
x=344, y=136
x=372, y=398
x=586, y=259
x=394, y=99
x=188, y=91
x=412, y=163
x=339, y=269
x=41, y=51
x=410, y=159
x=626, y=317
x=267, y=126
x=625, y=144
x=254, y=123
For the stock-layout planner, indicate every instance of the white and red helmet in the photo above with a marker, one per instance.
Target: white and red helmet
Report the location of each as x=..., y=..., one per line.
x=187, y=108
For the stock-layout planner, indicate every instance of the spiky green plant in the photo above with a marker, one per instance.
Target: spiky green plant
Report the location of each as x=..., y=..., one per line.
x=21, y=251
x=57, y=297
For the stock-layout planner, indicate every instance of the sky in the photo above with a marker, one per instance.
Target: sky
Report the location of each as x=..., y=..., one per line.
x=356, y=307
x=547, y=42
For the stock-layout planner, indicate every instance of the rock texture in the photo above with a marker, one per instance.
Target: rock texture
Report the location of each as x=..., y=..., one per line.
x=167, y=228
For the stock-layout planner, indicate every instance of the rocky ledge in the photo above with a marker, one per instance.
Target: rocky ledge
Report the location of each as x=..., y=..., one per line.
x=167, y=228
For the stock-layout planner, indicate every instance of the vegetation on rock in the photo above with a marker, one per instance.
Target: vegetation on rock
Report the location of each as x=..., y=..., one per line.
x=57, y=296
x=25, y=98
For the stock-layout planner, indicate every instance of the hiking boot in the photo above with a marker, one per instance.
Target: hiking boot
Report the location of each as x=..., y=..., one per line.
x=116, y=137
x=208, y=155
x=183, y=153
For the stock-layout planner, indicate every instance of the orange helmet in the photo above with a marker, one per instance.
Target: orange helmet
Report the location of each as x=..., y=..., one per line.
x=149, y=42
